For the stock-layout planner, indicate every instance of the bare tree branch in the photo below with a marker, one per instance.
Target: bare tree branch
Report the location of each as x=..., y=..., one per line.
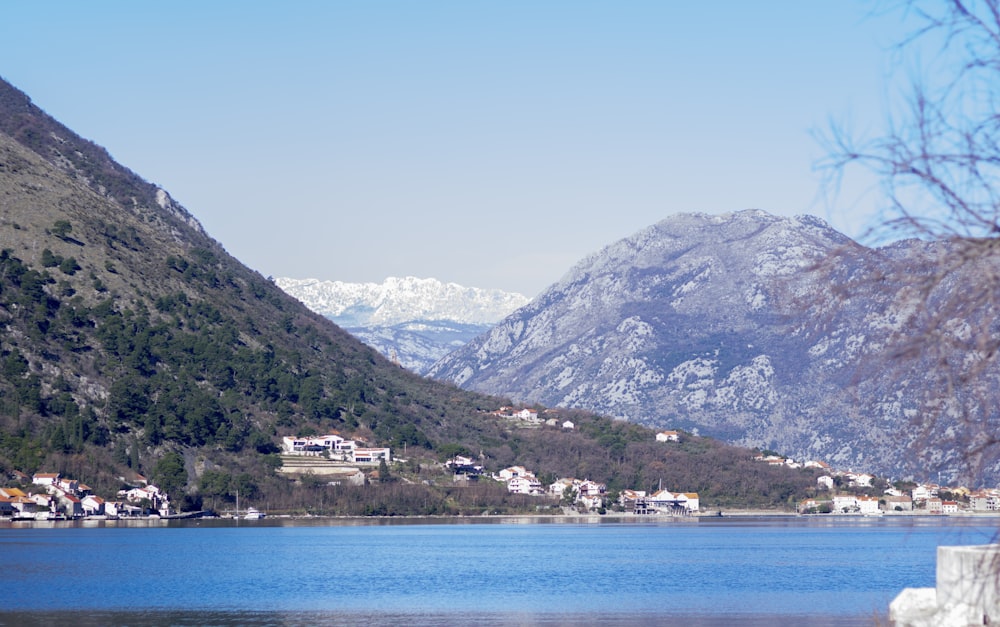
x=938, y=167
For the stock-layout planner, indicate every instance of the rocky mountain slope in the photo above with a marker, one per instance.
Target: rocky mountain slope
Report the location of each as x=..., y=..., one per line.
x=412, y=321
x=725, y=325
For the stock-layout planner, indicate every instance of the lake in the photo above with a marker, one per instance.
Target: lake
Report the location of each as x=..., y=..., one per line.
x=696, y=571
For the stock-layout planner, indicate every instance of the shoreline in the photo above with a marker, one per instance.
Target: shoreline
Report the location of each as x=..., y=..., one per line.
x=578, y=518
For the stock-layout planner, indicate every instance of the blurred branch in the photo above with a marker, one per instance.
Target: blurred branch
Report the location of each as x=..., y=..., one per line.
x=938, y=167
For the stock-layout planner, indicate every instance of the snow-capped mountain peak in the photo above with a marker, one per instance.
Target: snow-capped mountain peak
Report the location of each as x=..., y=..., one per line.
x=398, y=300
x=415, y=321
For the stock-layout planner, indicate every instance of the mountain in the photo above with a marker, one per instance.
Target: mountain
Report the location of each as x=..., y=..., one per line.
x=132, y=343
x=410, y=320
x=737, y=327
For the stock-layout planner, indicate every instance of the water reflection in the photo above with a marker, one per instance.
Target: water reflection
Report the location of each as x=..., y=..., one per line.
x=378, y=619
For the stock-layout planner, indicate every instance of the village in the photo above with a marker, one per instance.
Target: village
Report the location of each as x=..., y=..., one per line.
x=338, y=460
x=919, y=498
x=50, y=496
x=838, y=488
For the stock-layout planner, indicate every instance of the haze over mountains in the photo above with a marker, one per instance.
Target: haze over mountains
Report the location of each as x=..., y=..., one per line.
x=410, y=320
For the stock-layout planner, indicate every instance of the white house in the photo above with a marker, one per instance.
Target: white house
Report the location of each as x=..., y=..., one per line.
x=630, y=495
x=816, y=464
x=24, y=506
x=120, y=509
x=867, y=504
x=42, y=501
x=824, y=482
x=318, y=444
x=668, y=436
x=137, y=494
x=860, y=480
x=558, y=487
x=949, y=507
x=521, y=414
x=71, y=505
x=814, y=504
x=157, y=498
x=513, y=471
x=568, y=425
x=844, y=503
x=371, y=455
x=459, y=460
x=693, y=503
x=524, y=485
x=591, y=488
x=898, y=503
x=123, y=510
x=45, y=478
x=984, y=501
x=670, y=502
x=462, y=465
x=922, y=493
x=978, y=501
x=93, y=505
x=67, y=485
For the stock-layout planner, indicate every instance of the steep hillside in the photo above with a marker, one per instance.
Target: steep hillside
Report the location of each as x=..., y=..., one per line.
x=410, y=320
x=725, y=325
x=130, y=341
x=128, y=329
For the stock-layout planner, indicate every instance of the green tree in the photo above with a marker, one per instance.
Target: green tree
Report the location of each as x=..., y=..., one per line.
x=170, y=475
x=69, y=266
x=383, y=472
x=61, y=229
x=50, y=260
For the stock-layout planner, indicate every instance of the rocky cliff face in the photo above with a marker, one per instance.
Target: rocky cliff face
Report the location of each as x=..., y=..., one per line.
x=722, y=325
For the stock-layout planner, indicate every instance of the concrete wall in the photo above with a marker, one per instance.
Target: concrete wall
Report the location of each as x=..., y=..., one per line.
x=967, y=592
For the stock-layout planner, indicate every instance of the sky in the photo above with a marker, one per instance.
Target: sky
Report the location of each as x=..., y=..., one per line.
x=491, y=144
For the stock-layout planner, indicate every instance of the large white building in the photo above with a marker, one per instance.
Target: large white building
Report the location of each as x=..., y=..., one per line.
x=334, y=446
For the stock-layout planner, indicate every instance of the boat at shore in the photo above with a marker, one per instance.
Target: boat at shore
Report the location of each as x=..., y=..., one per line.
x=47, y=515
x=254, y=514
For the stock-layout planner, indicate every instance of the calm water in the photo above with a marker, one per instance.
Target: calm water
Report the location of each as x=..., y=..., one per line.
x=710, y=571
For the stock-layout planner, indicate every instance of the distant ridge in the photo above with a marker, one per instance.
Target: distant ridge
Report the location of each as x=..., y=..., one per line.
x=414, y=321
x=405, y=299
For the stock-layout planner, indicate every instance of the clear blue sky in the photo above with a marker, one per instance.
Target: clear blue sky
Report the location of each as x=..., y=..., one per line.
x=493, y=144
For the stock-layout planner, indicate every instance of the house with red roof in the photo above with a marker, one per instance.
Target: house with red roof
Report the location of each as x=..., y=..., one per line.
x=45, y=478
x=668, y=436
